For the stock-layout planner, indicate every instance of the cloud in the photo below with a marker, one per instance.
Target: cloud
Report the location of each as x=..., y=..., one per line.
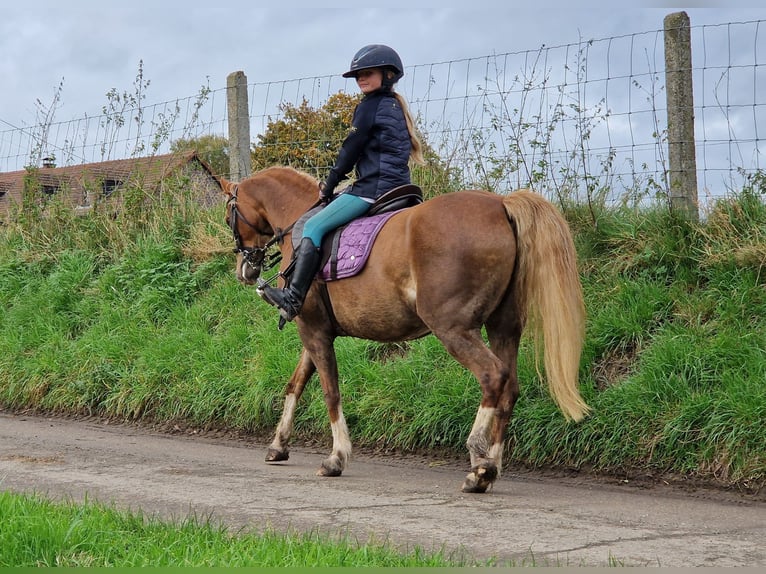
x=96, y=46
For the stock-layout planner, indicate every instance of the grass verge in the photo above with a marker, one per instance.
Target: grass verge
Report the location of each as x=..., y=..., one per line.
x=40, y=533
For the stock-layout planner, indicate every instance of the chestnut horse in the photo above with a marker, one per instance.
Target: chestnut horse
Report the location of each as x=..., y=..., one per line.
x=449, y=266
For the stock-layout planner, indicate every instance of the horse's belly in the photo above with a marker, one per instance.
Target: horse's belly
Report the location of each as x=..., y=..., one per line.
x=375, y=314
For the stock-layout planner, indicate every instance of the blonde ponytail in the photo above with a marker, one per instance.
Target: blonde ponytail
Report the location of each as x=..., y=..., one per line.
x=417, y=147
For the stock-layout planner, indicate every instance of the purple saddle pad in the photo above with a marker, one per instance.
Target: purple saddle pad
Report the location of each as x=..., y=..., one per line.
x=349, y=248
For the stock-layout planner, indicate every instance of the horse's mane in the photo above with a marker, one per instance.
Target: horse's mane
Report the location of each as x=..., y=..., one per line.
x=287, y=175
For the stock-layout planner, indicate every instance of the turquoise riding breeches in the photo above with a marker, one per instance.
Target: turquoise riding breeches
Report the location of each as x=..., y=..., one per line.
x=339, y=211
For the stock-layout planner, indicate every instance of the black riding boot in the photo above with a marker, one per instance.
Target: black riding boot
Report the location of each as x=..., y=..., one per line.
x=290, y=299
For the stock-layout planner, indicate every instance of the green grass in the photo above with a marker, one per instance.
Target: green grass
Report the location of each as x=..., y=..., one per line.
x=141, y=318
x=37, y=533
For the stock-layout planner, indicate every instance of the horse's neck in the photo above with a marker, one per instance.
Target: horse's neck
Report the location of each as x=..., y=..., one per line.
x=285, y=209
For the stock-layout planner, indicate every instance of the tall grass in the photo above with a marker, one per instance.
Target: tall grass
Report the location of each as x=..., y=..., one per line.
x=140, y=317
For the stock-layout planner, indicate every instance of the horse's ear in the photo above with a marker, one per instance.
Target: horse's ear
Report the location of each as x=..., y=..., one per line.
x=226, y=185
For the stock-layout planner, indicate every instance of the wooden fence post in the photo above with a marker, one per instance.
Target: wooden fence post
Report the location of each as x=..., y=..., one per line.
x=680, y=99
x=239, y=126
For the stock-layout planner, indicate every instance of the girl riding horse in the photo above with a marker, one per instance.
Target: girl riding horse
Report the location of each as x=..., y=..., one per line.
x=379, y=145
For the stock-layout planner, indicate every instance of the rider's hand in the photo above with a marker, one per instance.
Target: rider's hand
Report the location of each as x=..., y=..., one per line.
x=324, y=196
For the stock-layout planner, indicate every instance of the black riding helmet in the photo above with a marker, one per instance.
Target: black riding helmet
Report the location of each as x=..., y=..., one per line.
x=377, y=56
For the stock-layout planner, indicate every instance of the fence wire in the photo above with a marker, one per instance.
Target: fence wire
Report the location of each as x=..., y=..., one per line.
x=576, y=120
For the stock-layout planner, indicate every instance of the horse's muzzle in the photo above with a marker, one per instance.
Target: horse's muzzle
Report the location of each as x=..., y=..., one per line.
x=247, y=272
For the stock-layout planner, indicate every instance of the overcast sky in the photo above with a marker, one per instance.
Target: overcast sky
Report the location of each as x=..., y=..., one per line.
x=96, y=45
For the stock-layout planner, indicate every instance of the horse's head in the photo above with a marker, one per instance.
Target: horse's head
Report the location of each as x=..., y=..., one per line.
x=261, y=210
x=251, y=230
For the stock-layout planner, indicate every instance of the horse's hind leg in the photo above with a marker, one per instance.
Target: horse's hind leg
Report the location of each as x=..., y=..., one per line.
x=278, y=450
x=469, y=349
x=504, y=334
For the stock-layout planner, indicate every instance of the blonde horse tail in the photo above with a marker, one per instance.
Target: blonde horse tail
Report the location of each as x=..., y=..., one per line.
x=550, y=295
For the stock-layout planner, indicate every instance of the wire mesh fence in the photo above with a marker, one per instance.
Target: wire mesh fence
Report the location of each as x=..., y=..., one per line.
x=575, y=120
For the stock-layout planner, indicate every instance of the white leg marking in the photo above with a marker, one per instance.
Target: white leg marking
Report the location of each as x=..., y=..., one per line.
x=478, y=440
x=285, y=426
x=483, y=421
x=496, y=454
x=341, y=441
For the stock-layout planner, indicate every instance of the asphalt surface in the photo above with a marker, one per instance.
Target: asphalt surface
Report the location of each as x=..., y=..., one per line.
x=405, y=501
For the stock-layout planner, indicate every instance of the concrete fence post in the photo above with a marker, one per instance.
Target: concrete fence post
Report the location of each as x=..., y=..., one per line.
x=679, y=89
x=239, y=126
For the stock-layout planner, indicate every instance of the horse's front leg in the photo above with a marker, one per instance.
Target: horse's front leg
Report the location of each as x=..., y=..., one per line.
x=327, y=366
x=278, y=450
x=335, y=464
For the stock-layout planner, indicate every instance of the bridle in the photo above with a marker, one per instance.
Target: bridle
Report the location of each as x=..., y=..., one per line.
x=257, y=258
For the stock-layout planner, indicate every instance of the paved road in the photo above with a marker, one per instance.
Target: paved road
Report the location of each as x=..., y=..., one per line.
x=406, y=501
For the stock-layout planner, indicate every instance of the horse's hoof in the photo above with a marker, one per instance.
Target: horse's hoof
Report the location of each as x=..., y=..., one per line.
x=480, y=478
x=275, y=455
x=330, y=467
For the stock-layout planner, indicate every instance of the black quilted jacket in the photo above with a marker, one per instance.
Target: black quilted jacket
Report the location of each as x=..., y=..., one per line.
x=378, y=146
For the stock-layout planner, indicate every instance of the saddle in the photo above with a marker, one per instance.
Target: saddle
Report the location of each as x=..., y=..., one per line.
x=346, y=249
